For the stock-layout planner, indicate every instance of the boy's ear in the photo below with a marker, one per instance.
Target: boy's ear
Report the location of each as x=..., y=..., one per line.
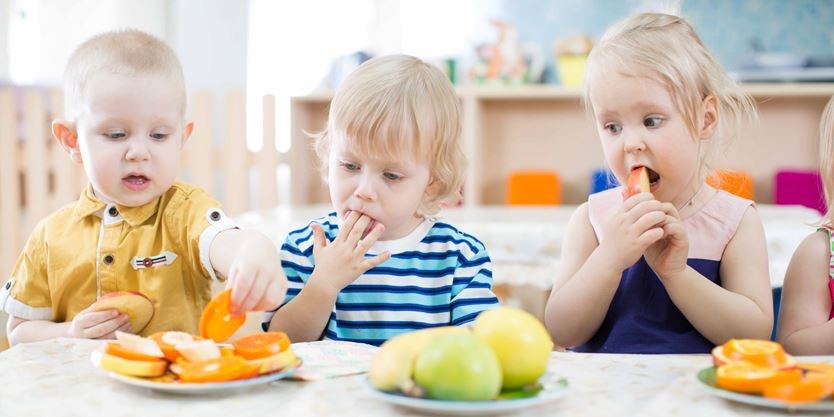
x=186, y=132
x=66, y=135
x=709, y=117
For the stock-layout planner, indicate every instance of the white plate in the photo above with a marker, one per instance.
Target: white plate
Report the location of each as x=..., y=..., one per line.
x=193, y=388
x=707, y=378
x=553, y=389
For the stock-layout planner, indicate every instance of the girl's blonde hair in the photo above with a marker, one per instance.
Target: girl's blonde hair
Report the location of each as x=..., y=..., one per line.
x=666, y=48
x=395, y=106
x=126, y=52
x=827, y=159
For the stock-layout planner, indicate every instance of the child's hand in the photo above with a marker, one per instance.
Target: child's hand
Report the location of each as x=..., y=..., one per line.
x=256, y=277
x=668, y=255
x=340, y=262
x=98, y=324
x=632, y=229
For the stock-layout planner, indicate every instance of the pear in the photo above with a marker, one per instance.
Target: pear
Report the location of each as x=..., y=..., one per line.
x=458, y=367
x=392, y=366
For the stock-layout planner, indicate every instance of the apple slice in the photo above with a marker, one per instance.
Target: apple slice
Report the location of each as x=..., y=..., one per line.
x=275, y=362
x=113, y=363
x=638, y=182
x=201, y=350
x=168, y=342
x=137, y=306
x=139, y=344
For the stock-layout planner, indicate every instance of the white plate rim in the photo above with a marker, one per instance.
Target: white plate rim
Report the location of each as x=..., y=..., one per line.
x=553, y=390
x=200, y=387
x=827, y=405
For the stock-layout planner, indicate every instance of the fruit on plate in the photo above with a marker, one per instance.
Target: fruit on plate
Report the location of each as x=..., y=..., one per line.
x=458, y=367
x=139, y=344
x=814, y=387
x=116, y=349
x=758, y=352
x=199, y=350
x=520, y=342
x=269, y=351
x=742, y=376
x=261, y=345
x=392, y=366
x=168, y=342
x=275, y=362
x=223, y=368
x=638, y=182
x=138, y=308
x=143, y=368
x=217, y=322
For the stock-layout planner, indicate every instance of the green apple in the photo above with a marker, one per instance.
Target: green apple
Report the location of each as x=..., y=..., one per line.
x=458, y=367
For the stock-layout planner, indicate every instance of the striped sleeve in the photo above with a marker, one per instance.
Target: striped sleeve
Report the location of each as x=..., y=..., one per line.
x=472, y=285
x=297, y=262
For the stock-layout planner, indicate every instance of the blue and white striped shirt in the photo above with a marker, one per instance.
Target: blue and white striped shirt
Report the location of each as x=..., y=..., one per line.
x=437, y=276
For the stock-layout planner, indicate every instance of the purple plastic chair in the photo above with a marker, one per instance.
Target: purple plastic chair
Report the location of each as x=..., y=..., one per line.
x=799, y=187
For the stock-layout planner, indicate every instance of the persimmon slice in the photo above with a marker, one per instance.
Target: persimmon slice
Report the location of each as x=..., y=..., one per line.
x=224, y=368
x=216, y=322
x=261, y=345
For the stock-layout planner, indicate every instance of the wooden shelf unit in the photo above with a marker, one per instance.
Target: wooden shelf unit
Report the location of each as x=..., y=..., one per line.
x=545, y=127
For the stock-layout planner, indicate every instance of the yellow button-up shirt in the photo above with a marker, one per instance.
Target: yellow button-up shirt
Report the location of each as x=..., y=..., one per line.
x=89, y=248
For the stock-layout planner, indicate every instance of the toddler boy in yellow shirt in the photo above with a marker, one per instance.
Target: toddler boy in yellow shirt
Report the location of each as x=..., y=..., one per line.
x=134, y=227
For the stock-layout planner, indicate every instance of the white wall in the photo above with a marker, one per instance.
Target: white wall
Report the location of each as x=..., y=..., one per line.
x=210, y=37
x=5, y=6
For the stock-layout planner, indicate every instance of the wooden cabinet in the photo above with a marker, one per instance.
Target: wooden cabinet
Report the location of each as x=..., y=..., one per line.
x=545, y=127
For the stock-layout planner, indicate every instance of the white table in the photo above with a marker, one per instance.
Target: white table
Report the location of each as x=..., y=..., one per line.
x=525, y=242
x=56, y=378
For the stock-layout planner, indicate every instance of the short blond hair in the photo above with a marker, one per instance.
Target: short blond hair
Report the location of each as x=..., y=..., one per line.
x=399, y=105
x=827, y=159
x=666, y=48
x=125, y=52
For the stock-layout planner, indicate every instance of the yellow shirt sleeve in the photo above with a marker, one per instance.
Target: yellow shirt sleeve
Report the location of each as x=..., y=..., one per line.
x=201, y=219
x=26, y=294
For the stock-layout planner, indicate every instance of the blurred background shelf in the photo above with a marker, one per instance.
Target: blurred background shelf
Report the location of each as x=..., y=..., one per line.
x=506, y=129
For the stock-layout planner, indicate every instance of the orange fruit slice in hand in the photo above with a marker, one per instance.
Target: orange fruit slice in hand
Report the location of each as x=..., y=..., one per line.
x=216, y=322
x=261, y=345
x=751, y=378
x=224, y=368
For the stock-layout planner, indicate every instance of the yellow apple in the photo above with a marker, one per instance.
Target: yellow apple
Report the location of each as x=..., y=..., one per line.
x=519, y=340
x=137, y=306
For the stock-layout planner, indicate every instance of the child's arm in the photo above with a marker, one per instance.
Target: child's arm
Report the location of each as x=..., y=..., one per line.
x=804, y=327
x=742, y=306
x=252, y=266
x=337, y=264
x=86, y=324
x=590, y=271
